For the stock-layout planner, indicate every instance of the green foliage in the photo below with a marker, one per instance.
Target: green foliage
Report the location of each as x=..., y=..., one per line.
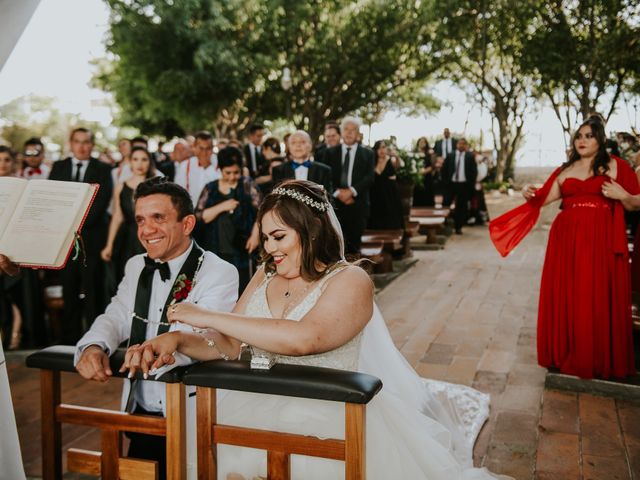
x=584, y=52
x=180, y=66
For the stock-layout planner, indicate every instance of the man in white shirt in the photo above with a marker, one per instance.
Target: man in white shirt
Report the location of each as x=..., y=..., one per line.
x=301, y=166
x=33, y=156
x=459, y=174
x=195, y=173
x=164, y=213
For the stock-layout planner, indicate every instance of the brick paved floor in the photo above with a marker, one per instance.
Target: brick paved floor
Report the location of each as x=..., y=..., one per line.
x=464, y=315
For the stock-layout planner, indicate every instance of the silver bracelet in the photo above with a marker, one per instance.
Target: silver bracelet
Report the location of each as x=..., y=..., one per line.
x=212, y=344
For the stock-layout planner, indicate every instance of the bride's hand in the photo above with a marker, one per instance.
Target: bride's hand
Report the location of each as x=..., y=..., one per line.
x=152, y=354
x=189, y=314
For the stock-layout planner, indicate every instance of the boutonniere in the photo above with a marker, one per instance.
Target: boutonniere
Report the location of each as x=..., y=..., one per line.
x=181, y=288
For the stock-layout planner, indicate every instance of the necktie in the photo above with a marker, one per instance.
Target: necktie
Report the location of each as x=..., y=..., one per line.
x=344, y=176
x=78, y=171
x=296, y=165
x=151, y=265
x=458, y=160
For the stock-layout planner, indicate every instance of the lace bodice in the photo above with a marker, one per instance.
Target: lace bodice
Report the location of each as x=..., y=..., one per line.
x=343, y=358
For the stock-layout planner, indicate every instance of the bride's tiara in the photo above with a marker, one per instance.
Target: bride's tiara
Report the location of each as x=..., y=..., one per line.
x=301, y=197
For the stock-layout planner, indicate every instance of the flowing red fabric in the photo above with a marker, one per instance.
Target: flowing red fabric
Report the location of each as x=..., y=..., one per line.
x=508, y=230
x=584, y=313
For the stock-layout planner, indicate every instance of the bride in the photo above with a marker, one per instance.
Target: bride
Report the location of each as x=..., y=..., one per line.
x=308, y=306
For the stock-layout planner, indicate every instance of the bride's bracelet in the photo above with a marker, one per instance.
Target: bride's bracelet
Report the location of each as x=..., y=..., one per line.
x=211, y=343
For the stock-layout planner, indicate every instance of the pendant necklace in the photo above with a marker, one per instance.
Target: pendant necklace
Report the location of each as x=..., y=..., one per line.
x=287, y=294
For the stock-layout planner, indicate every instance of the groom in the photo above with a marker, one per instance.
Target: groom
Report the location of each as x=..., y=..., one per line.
x=173, y=266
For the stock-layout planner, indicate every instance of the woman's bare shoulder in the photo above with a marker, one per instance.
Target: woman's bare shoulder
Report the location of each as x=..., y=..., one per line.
x=352, y=275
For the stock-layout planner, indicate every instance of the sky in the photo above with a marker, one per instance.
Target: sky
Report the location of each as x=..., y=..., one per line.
x=52, y=58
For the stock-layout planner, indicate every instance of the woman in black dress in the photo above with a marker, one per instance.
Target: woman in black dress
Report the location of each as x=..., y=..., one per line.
x=228, y=207
x=122, y=241
x=386, y=207
x=423, y=195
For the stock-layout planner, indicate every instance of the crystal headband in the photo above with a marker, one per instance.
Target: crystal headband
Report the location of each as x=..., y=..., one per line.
x=301, y=197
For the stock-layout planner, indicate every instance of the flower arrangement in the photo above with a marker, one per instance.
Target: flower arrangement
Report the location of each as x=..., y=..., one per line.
x=409, y=168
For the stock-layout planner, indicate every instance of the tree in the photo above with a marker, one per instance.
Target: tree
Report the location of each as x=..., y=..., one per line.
x=219, y=63
x=584, y=52
x=479, y=44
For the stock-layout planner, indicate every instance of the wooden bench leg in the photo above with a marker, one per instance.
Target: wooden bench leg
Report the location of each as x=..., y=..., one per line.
x=111, y=451
x=51, y=430
x=206, y=418
x=278, y=465
x=176, y=432
x=355, y=435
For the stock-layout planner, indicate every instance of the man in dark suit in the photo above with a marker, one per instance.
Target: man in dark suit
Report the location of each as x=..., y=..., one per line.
x=331, y=139
x=459, y=174
x=445, y=145
x=301, y=166
x=253, y=157
x=352, y=166
x=82, y=282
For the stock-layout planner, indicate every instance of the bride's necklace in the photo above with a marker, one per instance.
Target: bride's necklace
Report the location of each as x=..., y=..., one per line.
x=293, y=299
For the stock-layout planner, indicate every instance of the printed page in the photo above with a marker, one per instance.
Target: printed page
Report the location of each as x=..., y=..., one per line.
x=43, y=220
x=10, y=192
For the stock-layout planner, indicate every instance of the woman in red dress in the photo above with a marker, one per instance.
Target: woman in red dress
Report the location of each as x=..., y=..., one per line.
x=584, y=314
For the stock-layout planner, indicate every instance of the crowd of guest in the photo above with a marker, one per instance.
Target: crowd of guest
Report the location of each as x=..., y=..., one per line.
x=226, y=180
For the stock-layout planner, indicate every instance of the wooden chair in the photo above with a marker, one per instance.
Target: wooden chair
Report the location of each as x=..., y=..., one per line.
x=355, y=390
x=372, y=251
x=392, y=245
x=110, y=464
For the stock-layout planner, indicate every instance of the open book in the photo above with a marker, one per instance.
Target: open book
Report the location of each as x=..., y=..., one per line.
x=39, y=219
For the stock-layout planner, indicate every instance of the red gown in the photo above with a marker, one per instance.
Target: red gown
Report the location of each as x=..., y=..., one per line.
x=584, y=314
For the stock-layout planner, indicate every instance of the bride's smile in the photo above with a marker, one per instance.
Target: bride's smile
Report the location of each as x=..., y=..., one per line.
x=282, y=243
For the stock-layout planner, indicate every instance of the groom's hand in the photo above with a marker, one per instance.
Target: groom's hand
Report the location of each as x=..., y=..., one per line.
x=94, y=364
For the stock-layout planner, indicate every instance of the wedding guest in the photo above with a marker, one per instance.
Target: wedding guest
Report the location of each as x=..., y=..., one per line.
x=253, y=150
x=82, y=278
x=8, y=162
x=478, y=212
x=353, y=173
x=295, y=311
x=459, y=174
x=584, y=313
x=424, y=194
x=164, y=215
x=446, y=145
x=300, y=165
x=33, y=157
x=270, y=150
x=386, y=206
x=140, y=141
x=123, y=170
x=266, y=187
x=331, y=139
x=227, y=207
x=122, y=241
x=193, y=174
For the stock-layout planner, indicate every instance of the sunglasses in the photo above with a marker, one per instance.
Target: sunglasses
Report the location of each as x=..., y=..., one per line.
x=32, y=153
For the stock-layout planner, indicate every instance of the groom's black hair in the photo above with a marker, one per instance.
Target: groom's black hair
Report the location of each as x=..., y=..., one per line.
x=180, y=198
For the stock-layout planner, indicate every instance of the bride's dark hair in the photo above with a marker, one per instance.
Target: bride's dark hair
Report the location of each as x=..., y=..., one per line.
x=304, y=207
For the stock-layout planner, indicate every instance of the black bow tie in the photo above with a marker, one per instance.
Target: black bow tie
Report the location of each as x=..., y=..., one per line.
x=163, y=268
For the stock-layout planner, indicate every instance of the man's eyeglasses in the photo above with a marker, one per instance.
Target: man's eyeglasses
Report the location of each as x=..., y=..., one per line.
x=32, y=153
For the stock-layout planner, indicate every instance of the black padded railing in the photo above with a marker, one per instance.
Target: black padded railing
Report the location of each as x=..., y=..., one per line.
x=288, y=380
x=60, y=358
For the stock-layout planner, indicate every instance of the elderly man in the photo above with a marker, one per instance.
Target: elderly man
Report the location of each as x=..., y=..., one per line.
x=301, y=166
x=165, y=218
x=353, y=174
x=194, y=173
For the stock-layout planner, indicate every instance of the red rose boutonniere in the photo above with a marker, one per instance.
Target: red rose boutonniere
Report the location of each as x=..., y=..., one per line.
x=181, y=289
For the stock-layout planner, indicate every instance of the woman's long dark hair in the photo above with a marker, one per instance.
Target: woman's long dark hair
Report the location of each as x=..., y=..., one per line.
x=376, y=146
x=151, y=172
x=601, y=161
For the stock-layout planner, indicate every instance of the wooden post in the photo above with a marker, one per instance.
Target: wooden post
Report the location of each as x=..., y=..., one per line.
x=111, y=451
x=278, y=465
x=355, y=435
x=176, y=432
x=51, y=431
x=207, y=417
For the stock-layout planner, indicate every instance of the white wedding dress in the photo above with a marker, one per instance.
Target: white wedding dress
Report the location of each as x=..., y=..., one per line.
x=416, y=428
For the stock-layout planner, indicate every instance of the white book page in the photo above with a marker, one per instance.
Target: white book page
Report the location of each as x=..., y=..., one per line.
x=43, y=220
x=10, y=192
